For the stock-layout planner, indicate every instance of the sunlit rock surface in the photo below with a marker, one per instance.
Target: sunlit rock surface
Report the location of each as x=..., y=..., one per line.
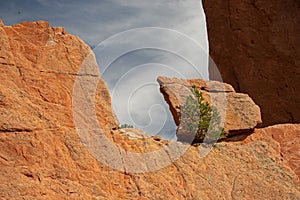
x=42, y=155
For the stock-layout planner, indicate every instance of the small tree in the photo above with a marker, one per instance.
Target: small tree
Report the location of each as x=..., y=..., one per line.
x=200, y=120
x=125, y=126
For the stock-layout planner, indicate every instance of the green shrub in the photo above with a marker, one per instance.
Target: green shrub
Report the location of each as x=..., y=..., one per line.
x=125, y=126
x=200, y=120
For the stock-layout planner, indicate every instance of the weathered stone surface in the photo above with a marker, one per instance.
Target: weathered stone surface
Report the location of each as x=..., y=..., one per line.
x=288, y=137
x=55, y=164
x=39, y=65
x=133, y=133
x=240, y=112
x=42, y=156
x=255, y=45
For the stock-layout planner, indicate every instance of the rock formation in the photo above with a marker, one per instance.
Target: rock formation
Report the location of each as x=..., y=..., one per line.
x=255, y=46
x=43, y=156
x=241, y=114
x=39, y=65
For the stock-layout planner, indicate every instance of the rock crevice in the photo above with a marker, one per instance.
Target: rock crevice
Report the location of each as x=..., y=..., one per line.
x=44, y=155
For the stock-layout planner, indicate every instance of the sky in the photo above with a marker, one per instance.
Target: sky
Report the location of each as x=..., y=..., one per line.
x=135, y=41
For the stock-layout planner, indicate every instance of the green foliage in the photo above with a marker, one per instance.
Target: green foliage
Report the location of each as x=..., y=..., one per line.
x=200, y=118
x=125, y=126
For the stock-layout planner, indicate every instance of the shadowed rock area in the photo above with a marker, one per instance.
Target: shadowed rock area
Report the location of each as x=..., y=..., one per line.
x=42, y=155
x=255, y=46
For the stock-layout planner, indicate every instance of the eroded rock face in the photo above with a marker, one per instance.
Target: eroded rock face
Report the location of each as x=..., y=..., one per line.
x=255, y=45
x=39, y=65
x=42, y=155
x=240, y=113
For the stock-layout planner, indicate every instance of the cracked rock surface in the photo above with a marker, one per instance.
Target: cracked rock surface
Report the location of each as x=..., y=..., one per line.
x=42, y=155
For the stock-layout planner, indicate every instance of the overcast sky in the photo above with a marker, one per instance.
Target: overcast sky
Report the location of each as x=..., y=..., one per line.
x=129, y=53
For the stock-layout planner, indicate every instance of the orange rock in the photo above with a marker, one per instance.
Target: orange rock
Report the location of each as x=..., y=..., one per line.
x=39, y=65
x=288, y=137
x=240, y=113
x=42, y=155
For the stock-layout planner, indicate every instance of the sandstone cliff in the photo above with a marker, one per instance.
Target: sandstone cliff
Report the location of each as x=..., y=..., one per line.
x=43, y=156
x=255, y=45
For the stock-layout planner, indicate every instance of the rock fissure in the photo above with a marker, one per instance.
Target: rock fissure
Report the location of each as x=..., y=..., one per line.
x=21, y=73
x=121, y=156
x=233, y=188
x=139, y=189
x=8, y=64
x=4, y=158
x=238, y=87
x=69, y=73
x=15, y=130
x=42, y=139
x=229, y=14
x=177, y=168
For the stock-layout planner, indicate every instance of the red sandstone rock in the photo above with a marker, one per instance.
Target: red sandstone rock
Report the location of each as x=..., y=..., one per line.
x=255, y=45
x=42, y=156
x=39, y=65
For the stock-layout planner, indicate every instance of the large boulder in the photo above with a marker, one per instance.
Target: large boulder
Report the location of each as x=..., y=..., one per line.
x=240, y=113
x=255, y=46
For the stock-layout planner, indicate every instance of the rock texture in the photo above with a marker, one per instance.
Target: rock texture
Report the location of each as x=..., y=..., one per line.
x=288, y=137
x=39, y=65
x=255, y=46
x=240, y=113
x=42, y=156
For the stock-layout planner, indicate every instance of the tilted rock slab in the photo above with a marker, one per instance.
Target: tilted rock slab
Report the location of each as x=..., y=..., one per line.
x=42, y=156
x=239, y=111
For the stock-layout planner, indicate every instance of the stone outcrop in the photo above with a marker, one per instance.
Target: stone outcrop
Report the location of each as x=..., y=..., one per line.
x=39, y=65
x=240, y=113
x=255, y=46
x=42, y=155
